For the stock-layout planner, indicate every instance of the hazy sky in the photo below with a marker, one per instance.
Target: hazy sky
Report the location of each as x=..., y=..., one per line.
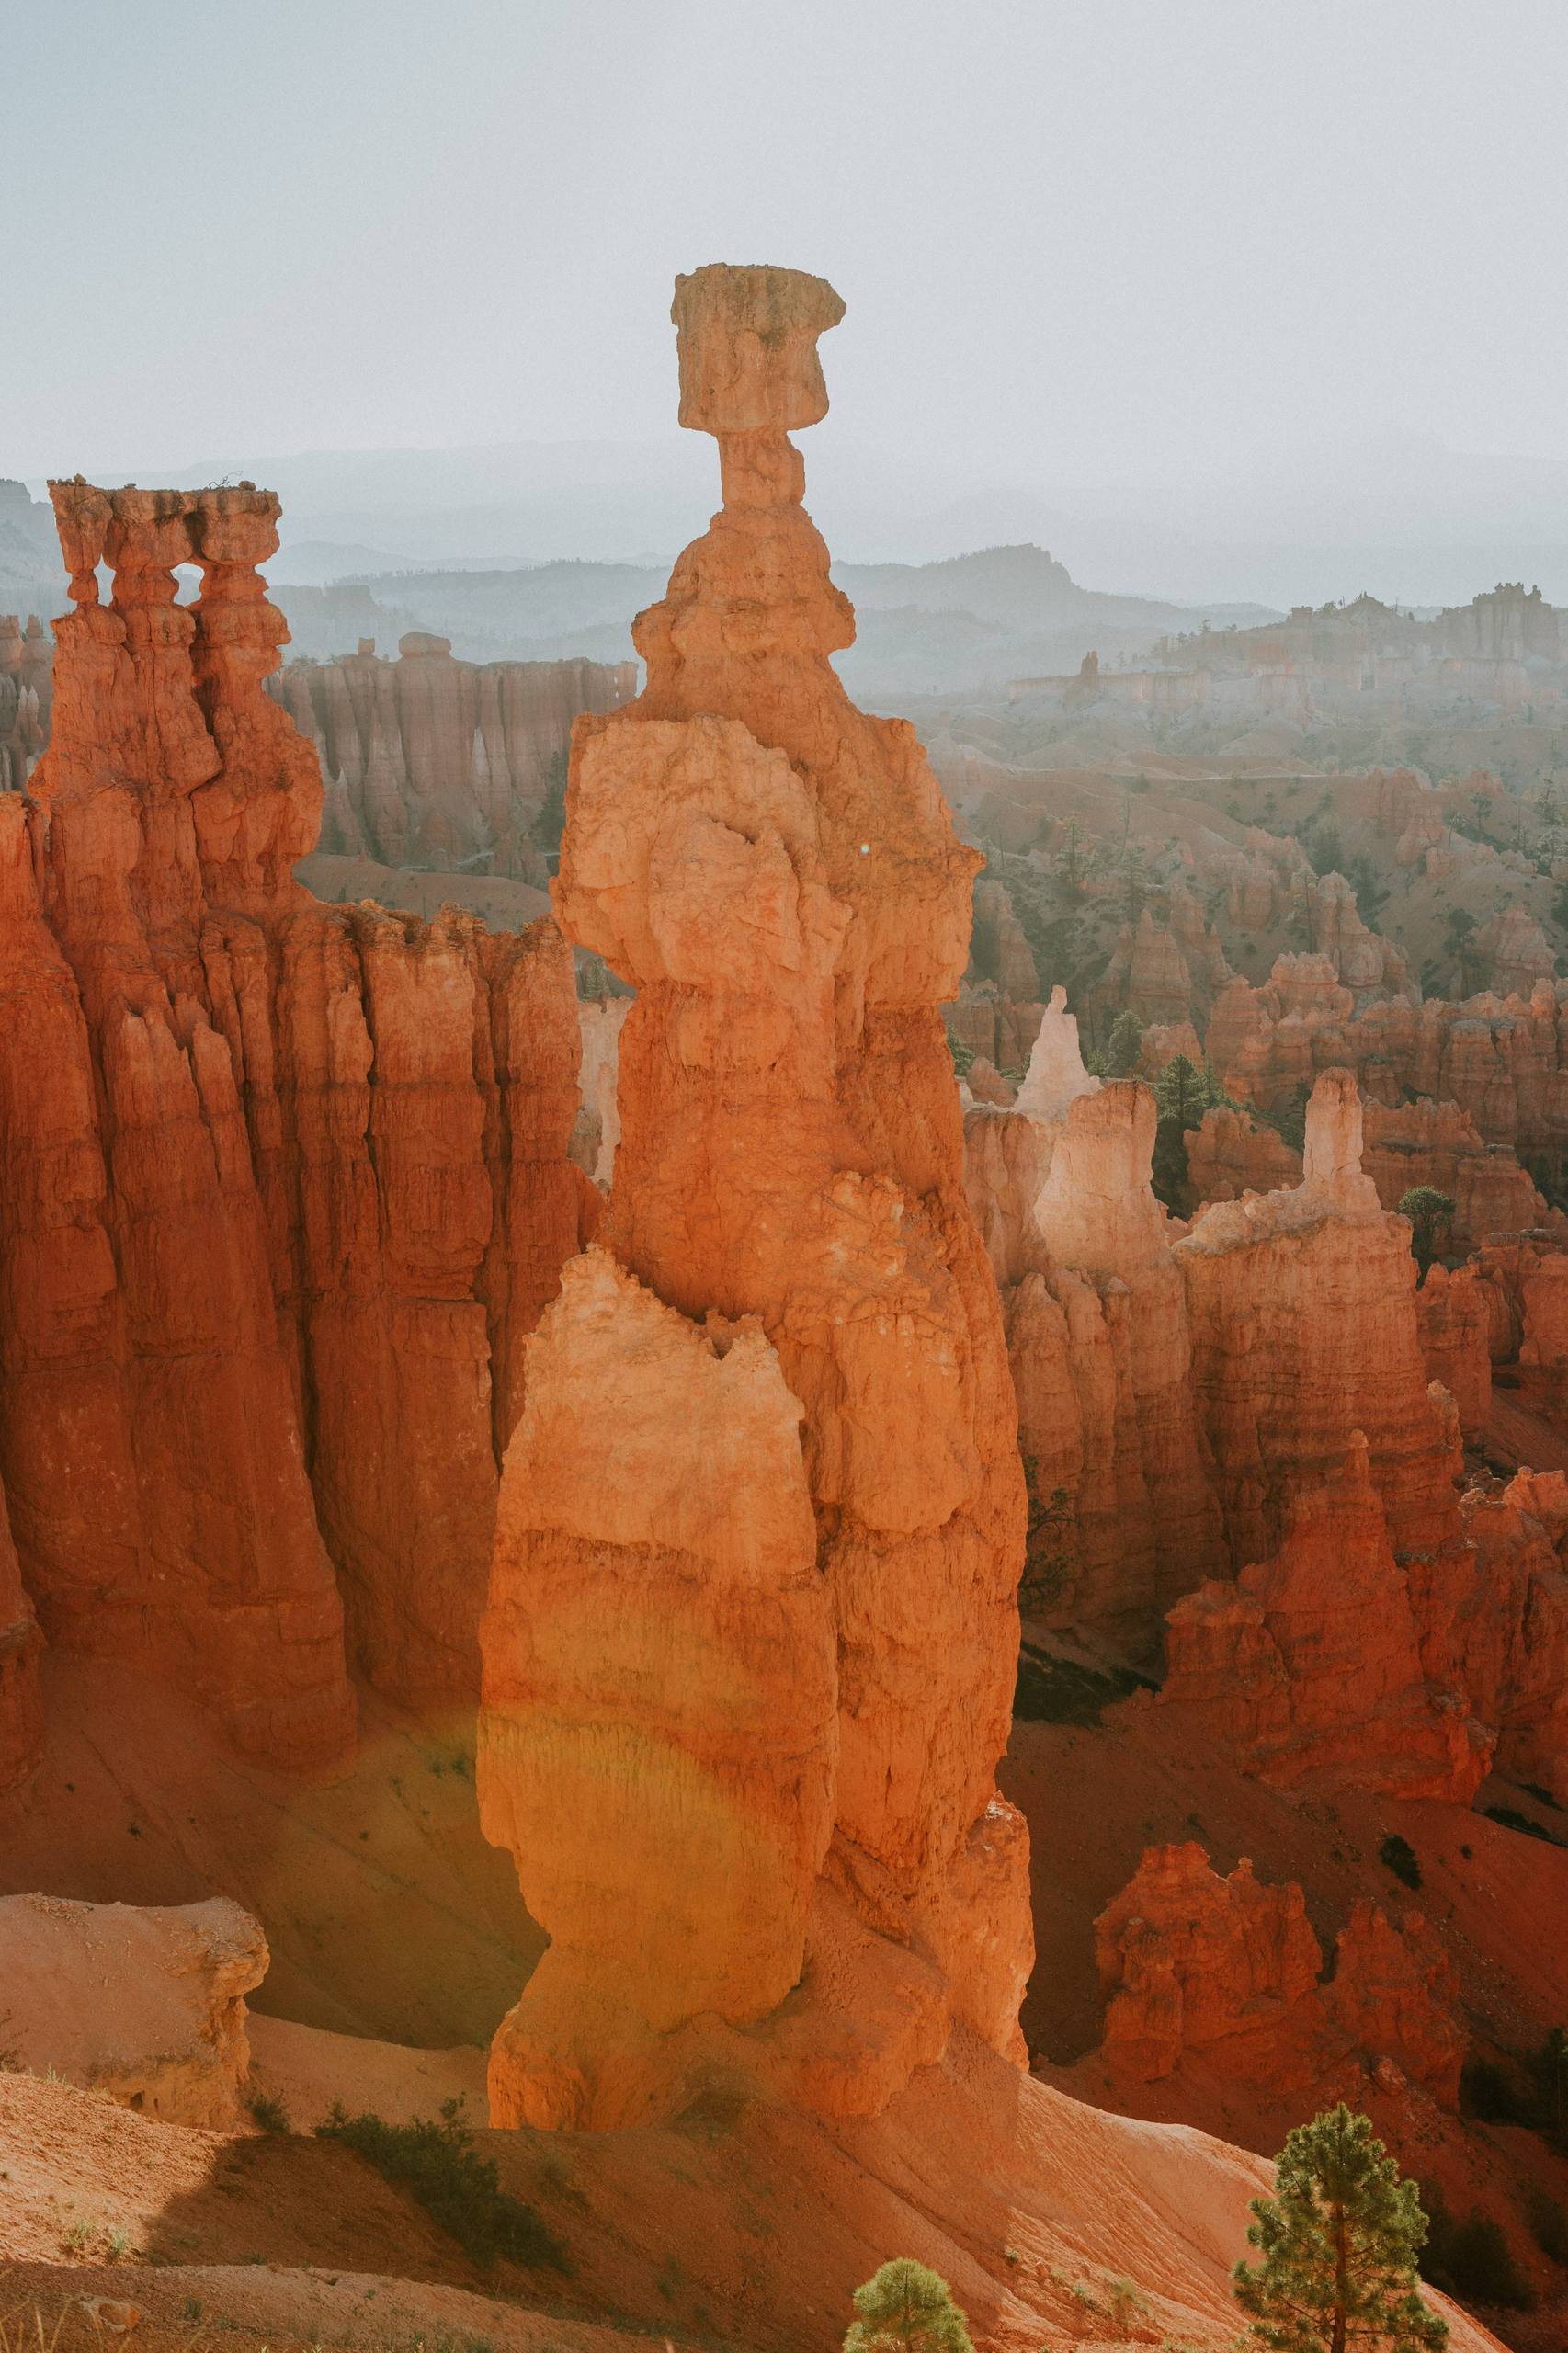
x=1111, y=240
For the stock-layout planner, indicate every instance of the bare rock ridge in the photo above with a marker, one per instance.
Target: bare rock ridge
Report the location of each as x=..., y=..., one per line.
x=751, y=1641
x=285, y=1184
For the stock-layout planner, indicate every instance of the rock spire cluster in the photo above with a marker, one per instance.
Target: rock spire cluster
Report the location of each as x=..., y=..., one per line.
x=750, y=1643
x=284, y=1185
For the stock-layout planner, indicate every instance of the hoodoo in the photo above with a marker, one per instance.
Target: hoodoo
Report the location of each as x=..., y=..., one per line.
x=281, y=1184
x=752, y=1632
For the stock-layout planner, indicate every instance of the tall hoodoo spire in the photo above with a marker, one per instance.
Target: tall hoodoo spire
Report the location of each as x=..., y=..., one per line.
x=753, y=1628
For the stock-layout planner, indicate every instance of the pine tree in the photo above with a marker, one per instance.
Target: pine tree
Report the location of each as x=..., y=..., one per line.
x=1183, y=1091
x=906, y=2309
x=1430, y=1213
x=1339, y=2240
x=1126, y=1045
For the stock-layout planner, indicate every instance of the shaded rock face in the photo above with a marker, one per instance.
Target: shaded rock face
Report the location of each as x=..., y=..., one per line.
x=21, y=1723
x=146, y=2005
x=1310, y=1667
x=26, y=697
x=1453, y=1320
x=432, y=762
x=1226, y=1972
x=1228, y=1154
x=284, y=1185
x=1238, y=1429
x=1301, y=1307
x=750, y=1649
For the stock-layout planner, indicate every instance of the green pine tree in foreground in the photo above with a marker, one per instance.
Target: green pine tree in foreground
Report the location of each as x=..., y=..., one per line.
x=1339, y=2240
x=906, y=2309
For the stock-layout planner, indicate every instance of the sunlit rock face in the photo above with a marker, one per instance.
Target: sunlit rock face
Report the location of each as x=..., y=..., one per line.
x=750, y=1649
x=284, y=1185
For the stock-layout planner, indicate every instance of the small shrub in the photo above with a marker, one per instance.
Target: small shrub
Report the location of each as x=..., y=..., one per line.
x=1487, y=2093
x=269, y=2113
x=1431, y=1215
x=908, y=2308
x=1473, y=2259
x=1401, y=1858
x=1549, y=2074
x=1548, y=2226
x=439, y=2166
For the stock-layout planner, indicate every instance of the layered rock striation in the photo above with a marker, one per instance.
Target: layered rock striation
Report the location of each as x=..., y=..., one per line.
x=749, y=1648
x=1301, y=1306
x=284, y=1185
x=1310, y=1666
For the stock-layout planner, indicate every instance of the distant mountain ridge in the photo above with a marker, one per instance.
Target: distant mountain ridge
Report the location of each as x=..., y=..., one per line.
x=961, y=621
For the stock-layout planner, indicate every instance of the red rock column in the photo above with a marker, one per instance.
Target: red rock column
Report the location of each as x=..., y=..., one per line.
x=778, y=875
x=149, y=1435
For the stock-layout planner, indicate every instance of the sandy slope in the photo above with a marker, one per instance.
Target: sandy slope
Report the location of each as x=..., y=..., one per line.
x=747, y=2226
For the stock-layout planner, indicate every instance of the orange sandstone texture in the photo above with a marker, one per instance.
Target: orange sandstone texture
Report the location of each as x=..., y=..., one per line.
x=284, y=1185
x=1226, y=1972
x=1301, y=1307
x=1310, y=1666
x=1229, y=1154
x=749, y=1654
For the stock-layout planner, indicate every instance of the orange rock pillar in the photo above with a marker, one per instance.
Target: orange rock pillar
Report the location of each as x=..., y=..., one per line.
x=282, y=1187
x=750, y=1644
x=151, y=1443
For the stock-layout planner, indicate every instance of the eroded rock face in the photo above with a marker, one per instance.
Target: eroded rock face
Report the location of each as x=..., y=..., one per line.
x=1438, y=1145
x=147, y=2005
x=26, y=697
x=285, y=1185
x=1226, y=1972
x=434, y=762
x=1453, y=1317
x=787, y=1238
x=1321, y=1282
x=1310, y=1667
x=1502, y=1059
x=1228, y=1154
x=1125, y=1516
